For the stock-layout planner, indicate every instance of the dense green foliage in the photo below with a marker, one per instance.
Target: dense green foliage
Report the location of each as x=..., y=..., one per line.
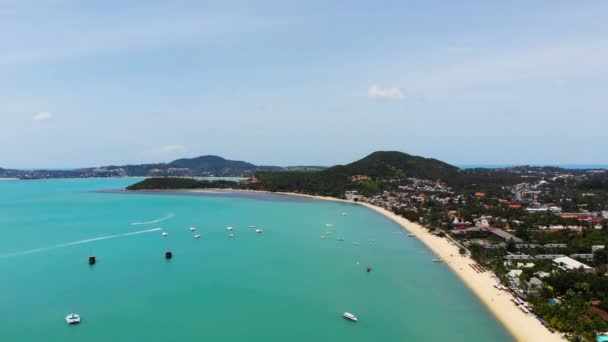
x=385, y=165
x=179, y=183
x=576, y=290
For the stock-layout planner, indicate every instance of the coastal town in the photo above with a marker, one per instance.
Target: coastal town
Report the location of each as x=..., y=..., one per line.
x=543, y=239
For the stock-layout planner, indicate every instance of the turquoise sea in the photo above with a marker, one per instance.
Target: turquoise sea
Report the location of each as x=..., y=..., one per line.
x=286, y=284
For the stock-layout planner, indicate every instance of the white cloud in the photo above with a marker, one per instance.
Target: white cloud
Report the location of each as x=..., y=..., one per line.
x=168, y=151
x=376, y=91
x=42, y=116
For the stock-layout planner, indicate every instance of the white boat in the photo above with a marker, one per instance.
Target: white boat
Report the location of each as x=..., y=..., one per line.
x=192, y=229
x=411, y=235
x=438, y=260
x=231, y=235
x=229, y=228
x=252, y=226
x=72, y=318
x=258, y=231
x=165, y=234
x=322, y=236
x=344, y=213
x=350, y=316
x=329, y=225
x=197, y=236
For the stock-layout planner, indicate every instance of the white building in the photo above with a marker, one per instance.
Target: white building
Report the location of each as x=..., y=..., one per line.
x=352, y=196
x=566, y=263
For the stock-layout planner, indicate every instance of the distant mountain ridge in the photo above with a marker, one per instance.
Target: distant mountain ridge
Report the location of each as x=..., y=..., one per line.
x=207, y=165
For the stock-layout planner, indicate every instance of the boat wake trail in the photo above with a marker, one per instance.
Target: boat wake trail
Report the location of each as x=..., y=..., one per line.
x=79, y=242
x=171, y=215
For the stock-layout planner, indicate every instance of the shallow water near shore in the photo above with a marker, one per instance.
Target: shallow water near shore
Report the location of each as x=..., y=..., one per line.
x=287, y=283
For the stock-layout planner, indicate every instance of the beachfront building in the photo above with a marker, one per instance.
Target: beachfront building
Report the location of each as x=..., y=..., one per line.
x=567, y=263
x=352, y=196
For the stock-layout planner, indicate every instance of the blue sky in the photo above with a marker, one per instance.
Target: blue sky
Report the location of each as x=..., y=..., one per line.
x=315, y=82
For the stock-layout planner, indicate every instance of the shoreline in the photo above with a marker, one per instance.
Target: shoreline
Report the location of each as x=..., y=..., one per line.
x=522, y=326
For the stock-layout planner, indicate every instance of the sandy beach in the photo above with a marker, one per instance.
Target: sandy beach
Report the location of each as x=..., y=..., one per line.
x=524, y=327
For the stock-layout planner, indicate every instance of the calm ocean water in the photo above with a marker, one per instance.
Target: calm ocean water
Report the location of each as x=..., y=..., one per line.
x=286, y=284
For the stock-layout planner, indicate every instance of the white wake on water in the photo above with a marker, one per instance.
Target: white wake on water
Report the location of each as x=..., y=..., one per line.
x=171, y=215
x=79, y=242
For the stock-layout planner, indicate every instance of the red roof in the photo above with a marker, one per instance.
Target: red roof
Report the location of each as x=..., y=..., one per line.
x=600, y=312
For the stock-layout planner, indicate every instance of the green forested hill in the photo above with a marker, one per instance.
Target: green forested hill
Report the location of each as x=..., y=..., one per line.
x=337, y=179
x=381, y=167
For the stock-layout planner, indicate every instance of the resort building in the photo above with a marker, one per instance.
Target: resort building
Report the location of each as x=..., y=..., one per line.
x=352, y=196
x=566, y=263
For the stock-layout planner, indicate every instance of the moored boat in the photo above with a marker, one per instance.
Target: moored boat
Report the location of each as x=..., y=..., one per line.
x=192, y=229
x=197, y=236
x=259, y=231
x=165, y=234
x=350, y=316
x=72, y=318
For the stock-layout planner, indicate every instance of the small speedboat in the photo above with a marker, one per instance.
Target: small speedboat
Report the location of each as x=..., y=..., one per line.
x=438, y=260
x=165, y=234
x=259, y=231
x=72, y=318
x=196, y=236
x=344, y=213
x=231, y=235
x=350, y=316
x=192, y=229
x=229, y=228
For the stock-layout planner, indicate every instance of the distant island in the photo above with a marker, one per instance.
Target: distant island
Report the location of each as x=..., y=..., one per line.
x=542, y=231
x=203, y=166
